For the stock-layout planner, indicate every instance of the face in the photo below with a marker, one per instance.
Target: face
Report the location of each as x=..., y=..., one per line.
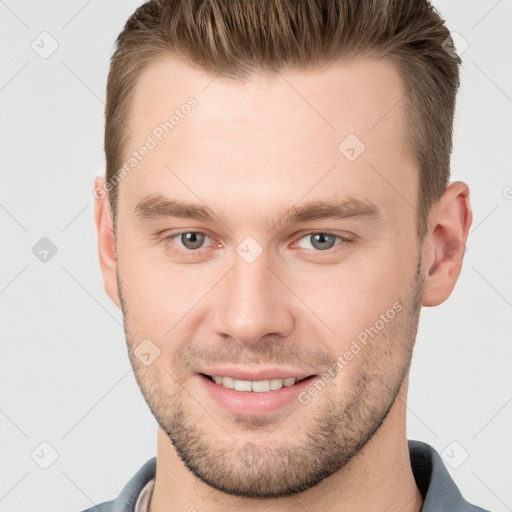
x=256, y=237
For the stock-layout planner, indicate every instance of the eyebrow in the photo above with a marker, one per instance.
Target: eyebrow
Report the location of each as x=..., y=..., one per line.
x=157, y=206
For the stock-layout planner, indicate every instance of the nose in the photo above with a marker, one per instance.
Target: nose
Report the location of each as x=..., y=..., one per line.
x=252, y=303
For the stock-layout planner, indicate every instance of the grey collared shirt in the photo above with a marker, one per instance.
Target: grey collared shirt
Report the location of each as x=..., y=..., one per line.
x=440, y=494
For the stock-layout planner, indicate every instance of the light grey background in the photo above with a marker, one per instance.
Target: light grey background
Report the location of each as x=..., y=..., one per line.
x=65, y=374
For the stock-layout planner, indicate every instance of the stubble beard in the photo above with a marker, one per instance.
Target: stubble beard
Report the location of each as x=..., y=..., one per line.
x=271, y=465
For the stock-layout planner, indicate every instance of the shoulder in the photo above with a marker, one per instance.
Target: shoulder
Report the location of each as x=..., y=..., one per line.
x=437, y=487
x=128, y=496
x=106, y=506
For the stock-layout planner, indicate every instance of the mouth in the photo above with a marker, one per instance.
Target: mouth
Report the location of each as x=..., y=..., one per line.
x=261, y=397
x=259, y=386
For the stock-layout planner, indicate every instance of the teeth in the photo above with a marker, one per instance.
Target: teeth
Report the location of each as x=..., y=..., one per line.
x=260, y=385
x=227, y=382
x=243, y=385
x=257, y=386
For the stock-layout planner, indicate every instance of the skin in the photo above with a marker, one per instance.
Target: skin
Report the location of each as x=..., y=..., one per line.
x=250, y=151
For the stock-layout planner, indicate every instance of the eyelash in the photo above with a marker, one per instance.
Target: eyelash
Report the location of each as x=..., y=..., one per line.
x=198, y=252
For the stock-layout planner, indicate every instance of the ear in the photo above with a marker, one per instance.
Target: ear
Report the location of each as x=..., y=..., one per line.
x=106, y=240
x=445, y=244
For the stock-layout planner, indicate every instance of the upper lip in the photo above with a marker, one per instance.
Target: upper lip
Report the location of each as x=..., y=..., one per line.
x=255, y=375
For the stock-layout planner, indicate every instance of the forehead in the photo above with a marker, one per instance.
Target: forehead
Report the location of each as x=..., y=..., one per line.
x=280, y=131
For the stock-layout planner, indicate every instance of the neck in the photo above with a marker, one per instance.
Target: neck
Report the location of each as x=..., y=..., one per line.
x=379, y=478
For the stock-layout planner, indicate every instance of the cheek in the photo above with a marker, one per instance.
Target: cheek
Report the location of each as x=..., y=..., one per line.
x=350, y=297
x=335, y=302
x=157, y=293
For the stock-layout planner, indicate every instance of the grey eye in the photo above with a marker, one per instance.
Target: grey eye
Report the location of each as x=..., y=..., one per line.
x=320, y=241
x=192, y=239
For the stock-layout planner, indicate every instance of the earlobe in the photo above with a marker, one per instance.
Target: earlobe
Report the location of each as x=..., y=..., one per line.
x=106, y=239
x=445, y=244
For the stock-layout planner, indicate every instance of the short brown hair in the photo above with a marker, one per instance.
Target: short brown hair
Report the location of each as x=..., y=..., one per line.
x=236, y=38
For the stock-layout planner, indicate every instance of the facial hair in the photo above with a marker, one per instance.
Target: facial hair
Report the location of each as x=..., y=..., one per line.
x=333, y=431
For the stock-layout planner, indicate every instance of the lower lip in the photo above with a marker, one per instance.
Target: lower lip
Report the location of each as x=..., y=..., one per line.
x=252, y=402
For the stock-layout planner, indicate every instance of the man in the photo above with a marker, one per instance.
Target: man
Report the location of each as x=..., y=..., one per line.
x=275, y=212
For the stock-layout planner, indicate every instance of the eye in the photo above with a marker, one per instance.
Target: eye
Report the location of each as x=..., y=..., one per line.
x=190, y=240
x=321, y=241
